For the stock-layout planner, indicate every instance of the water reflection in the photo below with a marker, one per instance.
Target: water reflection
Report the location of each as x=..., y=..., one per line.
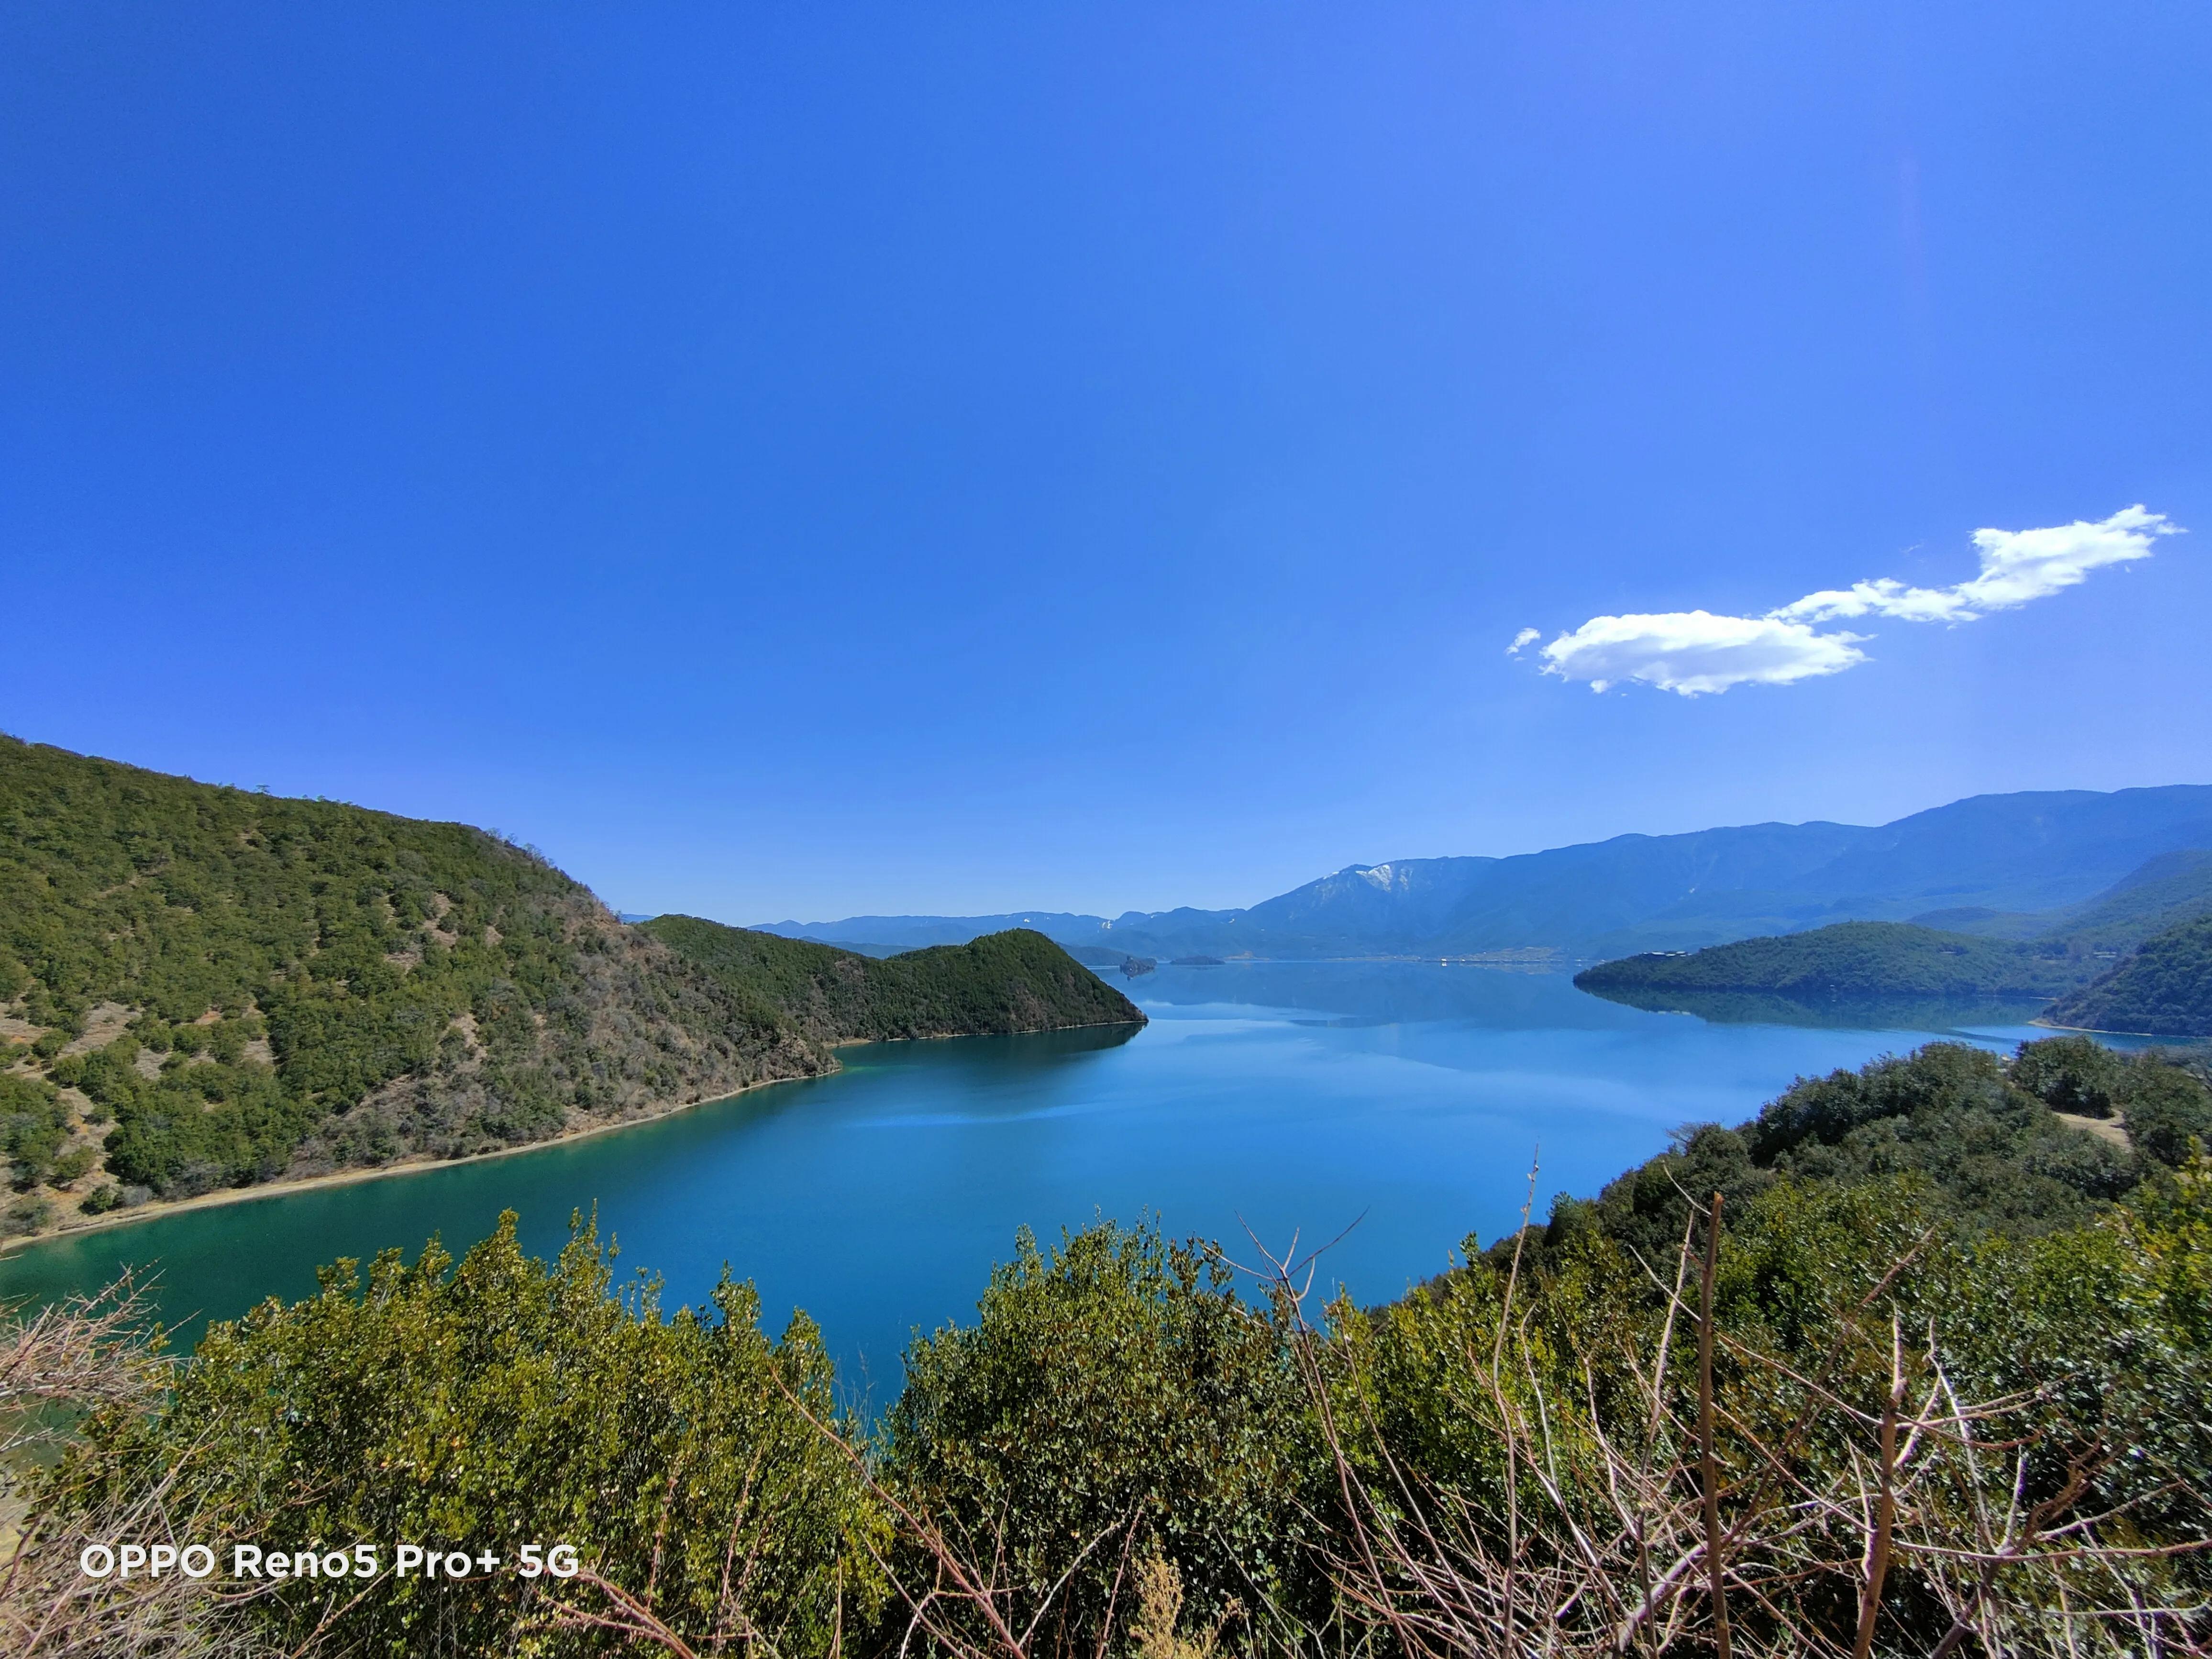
x=1936, y=1015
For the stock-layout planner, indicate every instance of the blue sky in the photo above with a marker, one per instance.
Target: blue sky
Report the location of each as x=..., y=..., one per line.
x=791, y=461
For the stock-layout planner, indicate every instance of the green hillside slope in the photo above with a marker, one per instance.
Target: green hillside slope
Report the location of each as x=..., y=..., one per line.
x=1850, y=959
x=2168, y=890
x=1980, y=1131
x=1016, y=981
x=234, y=987
x=2164, y=989
x=203, y=987
x=2172, y=888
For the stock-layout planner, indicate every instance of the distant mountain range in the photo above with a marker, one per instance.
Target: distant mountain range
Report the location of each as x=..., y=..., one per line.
x=2000, y=866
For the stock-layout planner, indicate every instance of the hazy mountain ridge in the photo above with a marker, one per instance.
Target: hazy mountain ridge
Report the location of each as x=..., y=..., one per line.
x=2169, y=887
x=1997, y=854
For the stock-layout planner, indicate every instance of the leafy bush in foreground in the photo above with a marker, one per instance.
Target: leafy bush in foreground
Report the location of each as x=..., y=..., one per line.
x=1118, y=1395
x=496, y=1403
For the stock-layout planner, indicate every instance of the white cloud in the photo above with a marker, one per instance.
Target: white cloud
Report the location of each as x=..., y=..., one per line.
x=2017, y=566
x=1694, y=652
x=1885, y=596
x=1526, y=636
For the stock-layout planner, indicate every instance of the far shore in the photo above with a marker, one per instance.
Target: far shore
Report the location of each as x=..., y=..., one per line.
x=2099, y=1030
x=154, y=1209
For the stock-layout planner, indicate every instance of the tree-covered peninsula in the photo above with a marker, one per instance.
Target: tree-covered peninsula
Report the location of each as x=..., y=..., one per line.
x=1849, y=959
x=1015, y=980
x=2164, y=989
x=203, y=987
x=2161, y=987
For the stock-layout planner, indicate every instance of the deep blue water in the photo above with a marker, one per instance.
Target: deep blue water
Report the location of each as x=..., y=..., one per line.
x=1288, y=1098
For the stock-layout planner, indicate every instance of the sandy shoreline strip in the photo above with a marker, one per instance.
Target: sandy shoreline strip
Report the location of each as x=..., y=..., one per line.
x=154, y=1210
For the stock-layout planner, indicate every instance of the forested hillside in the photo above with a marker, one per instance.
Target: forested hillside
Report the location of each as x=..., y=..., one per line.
x=2164, y=989
x=2166, y=890
x=1015, y=980
x=203, y=987
x=1850, y=959
x=1983, y=1139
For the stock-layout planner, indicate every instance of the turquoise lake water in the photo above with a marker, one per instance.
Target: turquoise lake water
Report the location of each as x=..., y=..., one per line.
x=1287, y=1097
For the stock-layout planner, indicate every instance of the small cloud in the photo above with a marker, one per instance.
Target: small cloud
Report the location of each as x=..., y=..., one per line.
x=1694, y=652
x=1883, y=597
x=1526, y=636
x=2017, y=566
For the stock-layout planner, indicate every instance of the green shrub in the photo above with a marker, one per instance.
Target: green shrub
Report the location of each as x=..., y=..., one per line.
x=1954, y=1115
x=2071, y=1074
x=27, y=1214
x=1116, y=1387
x=34, y=1127
x=503, y=1401
x=2167, y=1107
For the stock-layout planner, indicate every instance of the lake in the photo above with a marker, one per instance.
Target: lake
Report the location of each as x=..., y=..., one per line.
x=1291, y=1099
